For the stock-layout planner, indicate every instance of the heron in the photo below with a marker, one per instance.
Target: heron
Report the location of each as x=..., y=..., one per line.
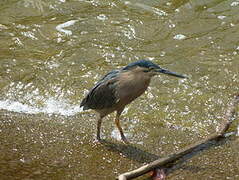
x=119, y=88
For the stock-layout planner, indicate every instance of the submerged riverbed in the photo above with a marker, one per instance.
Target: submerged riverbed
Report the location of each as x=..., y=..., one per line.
x=52, y=52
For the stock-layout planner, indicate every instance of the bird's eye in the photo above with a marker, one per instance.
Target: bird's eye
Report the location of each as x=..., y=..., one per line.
x=151, y=68
x=148, y=69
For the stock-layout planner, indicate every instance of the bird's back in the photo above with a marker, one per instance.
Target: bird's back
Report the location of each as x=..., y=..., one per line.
x=102, y=95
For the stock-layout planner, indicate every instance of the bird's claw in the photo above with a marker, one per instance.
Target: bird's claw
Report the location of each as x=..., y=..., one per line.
x=125, y=140
x=98, y=140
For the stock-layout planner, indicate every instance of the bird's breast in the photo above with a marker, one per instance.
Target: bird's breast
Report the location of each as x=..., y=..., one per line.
x=130, y=87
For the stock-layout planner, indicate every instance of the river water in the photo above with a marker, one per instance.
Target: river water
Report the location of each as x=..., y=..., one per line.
x=52, y=52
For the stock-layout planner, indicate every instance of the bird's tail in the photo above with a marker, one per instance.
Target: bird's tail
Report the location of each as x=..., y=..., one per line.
x=83, y=104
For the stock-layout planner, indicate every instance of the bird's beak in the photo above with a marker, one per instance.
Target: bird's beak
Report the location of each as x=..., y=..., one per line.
x=165, y=71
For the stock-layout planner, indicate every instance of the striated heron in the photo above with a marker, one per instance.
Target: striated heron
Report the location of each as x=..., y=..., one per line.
x=119, y=88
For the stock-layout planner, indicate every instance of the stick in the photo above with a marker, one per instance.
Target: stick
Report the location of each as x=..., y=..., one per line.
x=175, y=156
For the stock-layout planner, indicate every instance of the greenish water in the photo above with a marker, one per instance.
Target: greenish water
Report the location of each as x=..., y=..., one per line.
x=52, y=52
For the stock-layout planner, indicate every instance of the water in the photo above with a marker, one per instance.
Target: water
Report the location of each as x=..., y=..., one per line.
x=52, y=52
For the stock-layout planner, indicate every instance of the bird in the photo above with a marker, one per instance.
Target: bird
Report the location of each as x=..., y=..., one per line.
x=119, y=88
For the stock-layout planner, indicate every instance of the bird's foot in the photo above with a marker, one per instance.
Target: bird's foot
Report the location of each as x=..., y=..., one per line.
x=98, y=140
x=97, y=143
x=124, y=140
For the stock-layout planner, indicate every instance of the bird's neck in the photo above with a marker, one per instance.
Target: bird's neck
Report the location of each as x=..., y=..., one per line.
x=135, y=82
x=136, y=77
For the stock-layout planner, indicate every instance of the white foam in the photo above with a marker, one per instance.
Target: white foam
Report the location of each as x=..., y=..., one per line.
x=221, y=17
x=61, y=27
x=51, y=106
x=235, y=3
x=179, y=37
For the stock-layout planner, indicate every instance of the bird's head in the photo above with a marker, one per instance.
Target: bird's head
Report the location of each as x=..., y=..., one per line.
x=149, y=68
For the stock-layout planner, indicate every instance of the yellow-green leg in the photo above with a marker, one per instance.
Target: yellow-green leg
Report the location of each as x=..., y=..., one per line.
x=117, y=122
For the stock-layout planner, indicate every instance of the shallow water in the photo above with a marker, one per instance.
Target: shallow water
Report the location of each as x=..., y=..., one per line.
x=52, y=52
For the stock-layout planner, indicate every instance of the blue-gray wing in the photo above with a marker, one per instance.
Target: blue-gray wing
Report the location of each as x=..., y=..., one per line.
x=103, y=94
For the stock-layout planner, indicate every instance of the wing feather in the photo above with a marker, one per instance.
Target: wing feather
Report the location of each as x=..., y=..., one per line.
x=103, y=94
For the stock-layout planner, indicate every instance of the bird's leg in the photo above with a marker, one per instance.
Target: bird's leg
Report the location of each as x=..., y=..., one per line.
x=119, y=127
x=98, y=127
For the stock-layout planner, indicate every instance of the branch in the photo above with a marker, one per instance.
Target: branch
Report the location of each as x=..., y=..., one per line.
x=226, y=122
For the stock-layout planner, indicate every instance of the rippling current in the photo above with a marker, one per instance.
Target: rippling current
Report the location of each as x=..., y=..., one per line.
x=52, y=52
